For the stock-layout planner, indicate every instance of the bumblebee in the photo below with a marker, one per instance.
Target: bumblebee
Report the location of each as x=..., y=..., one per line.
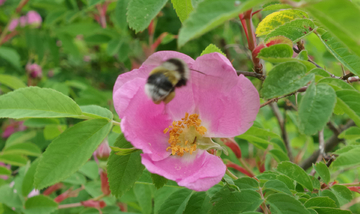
x=163, y=80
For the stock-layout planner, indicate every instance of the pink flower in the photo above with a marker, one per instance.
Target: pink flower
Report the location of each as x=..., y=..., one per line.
x=33, y=18
x=13, y=24
x=2, y=2
x=215, y=104
x=34, y=70
x=33, y=193
x=103, y=151
x=13, y=127
x=23, y=21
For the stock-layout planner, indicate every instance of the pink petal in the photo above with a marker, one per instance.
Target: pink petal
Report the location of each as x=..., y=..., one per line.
x=13, y=24
x=198, y=172
x=227, y=103
x=145, y=121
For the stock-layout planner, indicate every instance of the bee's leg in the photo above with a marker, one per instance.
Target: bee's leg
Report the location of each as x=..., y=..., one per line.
x=169, y=97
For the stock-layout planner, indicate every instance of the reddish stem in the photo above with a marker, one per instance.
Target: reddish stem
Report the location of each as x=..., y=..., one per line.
x=240, y=169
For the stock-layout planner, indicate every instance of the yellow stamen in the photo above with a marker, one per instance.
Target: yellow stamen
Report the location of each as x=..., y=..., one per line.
x=184, y=133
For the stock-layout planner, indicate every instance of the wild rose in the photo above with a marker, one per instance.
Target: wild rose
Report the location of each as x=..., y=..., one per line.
x=2, y=2
x=34, y=70
x=175, y=137
x=23, y=21
x=13, y=24
x=33, y=18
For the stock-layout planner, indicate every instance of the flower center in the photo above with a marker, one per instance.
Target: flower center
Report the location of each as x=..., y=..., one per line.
x=184, y=134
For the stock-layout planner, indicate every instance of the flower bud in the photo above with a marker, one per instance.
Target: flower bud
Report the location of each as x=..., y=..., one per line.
x=33, y=193
x=103, y=151
x=34, y=70
x=13, y=24
x=53, y=188
x=13, y=127
x=33, y=19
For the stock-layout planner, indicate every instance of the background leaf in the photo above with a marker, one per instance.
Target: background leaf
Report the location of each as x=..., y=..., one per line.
x=40, y=204
x=183, y=8
x=295, y=172
x=67, y=153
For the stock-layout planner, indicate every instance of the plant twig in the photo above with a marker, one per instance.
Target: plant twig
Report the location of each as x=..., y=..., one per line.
x=345, y=77
x=329, y=145
x=250, y=74
x=351, y=203
x=64, y=206
x=277, y=98
x=230, y=174
x=282, y=123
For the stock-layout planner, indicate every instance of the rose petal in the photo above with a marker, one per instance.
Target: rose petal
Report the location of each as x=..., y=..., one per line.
x=227, y=104
x=145, y=122
x=198, y=172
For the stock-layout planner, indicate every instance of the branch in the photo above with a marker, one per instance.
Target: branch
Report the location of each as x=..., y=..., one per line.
x=278, y=98
x=282, y=124
x=329, y=145
x=250, y=74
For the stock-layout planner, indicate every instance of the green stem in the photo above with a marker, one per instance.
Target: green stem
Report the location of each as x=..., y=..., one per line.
x=231, y=174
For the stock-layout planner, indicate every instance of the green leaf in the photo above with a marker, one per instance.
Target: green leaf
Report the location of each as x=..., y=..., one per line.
x=96, y=112
x=161, y=195
x=328, y=193
x=349, y=101
x=210, y=14
x=113, y=46
x=120, y=14
x=258, y=142
x=336, y=84
x=284, y=204
x=12, y=159
x=4, y=171
x=286, y=180
x=341, y=18
x=276, y=19
x=279, y=155
x=158, y=180
x=72, y=149
x=235, y=202
x=52, y=131
x=37, y=102
x=294, y=30
x=285, y=78
x=342, y=193
x=276, y=7
x=295, y=172
x=316, y=108
x=303, y=55
x=123, y=171
x=319, y=202
x=199, y=203
x=141, y=12
x=144, y=198
x=331, y=211
x=11, y=56
x=211, y=49
x=176, y=202
x=11, y=81
x=90, y=169
x=276, y=186
x=323, y=171
x=340, y=51
x=352, y=133
x=40, y=204
x=9, y=197
x=75, y=179
x=183, y=8
x=246, y=183
x=40, y=122
x=315, y=182
x=23, y=149
x=20, y=137
x=28, y=182
x=276, y=51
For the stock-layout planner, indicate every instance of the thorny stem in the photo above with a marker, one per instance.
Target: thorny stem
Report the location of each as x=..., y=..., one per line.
x=282, y=124
x=250, y=74
x=115, y=123
x=321, y=149
x=231, y=175
x=99, y=197
x=278, y=98
x=351, y=203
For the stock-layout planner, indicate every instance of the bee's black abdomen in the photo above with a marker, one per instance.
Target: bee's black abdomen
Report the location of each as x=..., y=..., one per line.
x=161, y=81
